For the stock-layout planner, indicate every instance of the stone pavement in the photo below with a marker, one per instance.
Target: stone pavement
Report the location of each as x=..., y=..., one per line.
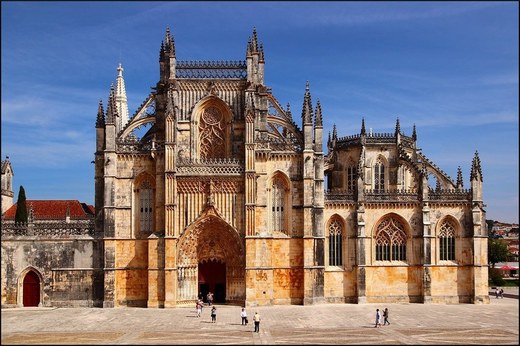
x=493, y=324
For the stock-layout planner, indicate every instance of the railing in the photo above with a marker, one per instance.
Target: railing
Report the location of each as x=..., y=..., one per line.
x=210, y=167
x=450, y=195
x=52, y=229
x=399, y=195
x=339, y=196
x=211, y=69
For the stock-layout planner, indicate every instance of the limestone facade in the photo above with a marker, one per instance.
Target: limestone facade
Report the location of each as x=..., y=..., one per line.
x=212, y=186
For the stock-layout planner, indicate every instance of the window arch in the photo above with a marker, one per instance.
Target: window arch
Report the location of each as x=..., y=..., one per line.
x=211, y=123
x=212, y=134
x=335, y=230
x=390, y=240
x=447, y=241
x=405, y=177
x=145, y=202
x=279, y=198
x=379, y=175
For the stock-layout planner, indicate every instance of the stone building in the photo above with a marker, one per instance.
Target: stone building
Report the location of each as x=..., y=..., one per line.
x=51, y=260
x=211, y=186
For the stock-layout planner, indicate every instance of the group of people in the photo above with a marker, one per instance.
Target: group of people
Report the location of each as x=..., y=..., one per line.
x=243, y=315
x=245, y=321
x=256, y=317
x=385, y=318
x=499, y=293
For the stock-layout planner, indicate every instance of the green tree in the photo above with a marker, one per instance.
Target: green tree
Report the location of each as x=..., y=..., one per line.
x=498, y=251
x=21, y=207
x=490, y=224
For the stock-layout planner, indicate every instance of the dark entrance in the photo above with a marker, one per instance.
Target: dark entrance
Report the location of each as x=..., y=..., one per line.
x=31, y=289
x=212, y=278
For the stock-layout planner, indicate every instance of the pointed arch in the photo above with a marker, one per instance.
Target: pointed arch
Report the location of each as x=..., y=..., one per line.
x=390, y=238
x=336, y=235
x=144, y=205
x=211, y=129
x=210, y=239
x=406, y=177
x=380, y=169
x=279, y=203
x=448, y=230
x=351, y=174
x=30, y=292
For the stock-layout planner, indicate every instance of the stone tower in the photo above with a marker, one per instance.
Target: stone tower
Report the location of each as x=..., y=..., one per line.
x=7, y=184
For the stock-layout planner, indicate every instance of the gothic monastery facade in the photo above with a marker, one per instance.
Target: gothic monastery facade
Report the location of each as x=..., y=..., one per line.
x=211, y=186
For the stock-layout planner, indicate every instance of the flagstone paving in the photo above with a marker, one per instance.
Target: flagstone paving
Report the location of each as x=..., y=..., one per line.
x=494, y=324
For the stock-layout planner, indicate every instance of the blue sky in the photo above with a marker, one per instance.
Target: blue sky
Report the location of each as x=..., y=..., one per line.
x=450, y=68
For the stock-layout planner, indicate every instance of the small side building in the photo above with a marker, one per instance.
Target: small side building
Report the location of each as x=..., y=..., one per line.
x=52, y=260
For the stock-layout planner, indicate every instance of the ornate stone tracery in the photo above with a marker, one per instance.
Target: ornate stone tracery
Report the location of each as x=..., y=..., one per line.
x=212, y=134
x=210, y=238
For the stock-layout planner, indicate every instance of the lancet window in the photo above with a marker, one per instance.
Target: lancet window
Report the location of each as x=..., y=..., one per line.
x=278, y=201
x=390, y=241
x=379, y=175
x=447, y=241
x=335, y=243
x=145, y=207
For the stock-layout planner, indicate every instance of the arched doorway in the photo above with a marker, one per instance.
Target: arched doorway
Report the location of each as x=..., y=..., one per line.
x=31, y=289
x=212, y=278
x=211, y=258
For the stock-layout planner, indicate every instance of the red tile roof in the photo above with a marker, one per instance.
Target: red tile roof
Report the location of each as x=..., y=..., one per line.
x=54, y=210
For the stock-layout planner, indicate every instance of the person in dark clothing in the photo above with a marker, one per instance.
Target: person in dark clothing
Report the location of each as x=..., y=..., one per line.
x=385, y=317
x=213, y=314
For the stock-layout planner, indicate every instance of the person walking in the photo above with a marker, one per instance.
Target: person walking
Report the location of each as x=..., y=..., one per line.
x=199, y=308
x=502, y=293
x=378, y=319
x=213, y=314
x=385, y=317
x=209, y=297
x=256, y=319
x=496, y=292
x=243, y=314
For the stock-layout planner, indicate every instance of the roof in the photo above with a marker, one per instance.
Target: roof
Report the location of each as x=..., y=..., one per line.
x=54, y=210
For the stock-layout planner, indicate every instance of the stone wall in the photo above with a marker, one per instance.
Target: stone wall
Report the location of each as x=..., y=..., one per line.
x=64, y=263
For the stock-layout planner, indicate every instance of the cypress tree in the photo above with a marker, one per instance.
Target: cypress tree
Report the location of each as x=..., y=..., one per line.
x=21, y=207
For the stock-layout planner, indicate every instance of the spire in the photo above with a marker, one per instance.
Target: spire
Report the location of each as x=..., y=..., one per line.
x=328, y=141
x=255, y=41
x=120, y=99
x=248, y=49
x=397, y=127
x=476, y=171
x=288, y=111
x=363, y=131
x=460, y=183
x=111, y=107
x=100, y=120
x=169, y=42
x=261, y=52
x=438, y=185
x=161, y=52
x=414, y=133
x=318, y=121
x=307, y=106
x=334, y=133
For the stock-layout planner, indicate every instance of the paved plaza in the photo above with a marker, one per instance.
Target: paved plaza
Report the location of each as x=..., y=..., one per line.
x=491, y=324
